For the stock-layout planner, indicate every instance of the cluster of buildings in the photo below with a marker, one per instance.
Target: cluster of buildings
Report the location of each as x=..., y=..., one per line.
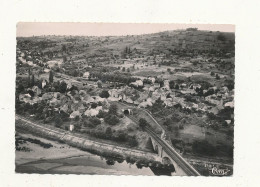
x=75, y=103
x=151, y=92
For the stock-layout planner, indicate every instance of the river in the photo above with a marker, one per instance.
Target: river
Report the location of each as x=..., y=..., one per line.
x=39, y=155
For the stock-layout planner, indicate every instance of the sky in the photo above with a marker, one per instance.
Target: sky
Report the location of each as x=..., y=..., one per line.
x=26, y=29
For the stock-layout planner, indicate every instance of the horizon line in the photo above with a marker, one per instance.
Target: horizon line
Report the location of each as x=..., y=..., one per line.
x=29, y=29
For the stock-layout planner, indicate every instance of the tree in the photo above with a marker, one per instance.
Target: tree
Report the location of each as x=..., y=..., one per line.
x=111, y=119
x=64, y=49
x=108, y=132
x=221, y=37
x=217, y=77
x=32, y=81
x=94, y=121
x=75, y=73
x=58, y=121
x=64, y=59
x=20, y=88
x=143, y=123
x=123, y=69
x=99, y=84
x=94, y=105
x=63, y=87
x=101, y=114
x=113, y=109
x=51, y=77
x=29, y=78
x=104, y=94
x=171, y=84
x=31, y=93
x=167, y=122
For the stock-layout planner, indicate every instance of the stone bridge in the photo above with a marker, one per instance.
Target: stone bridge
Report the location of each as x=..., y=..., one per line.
x=169, y=156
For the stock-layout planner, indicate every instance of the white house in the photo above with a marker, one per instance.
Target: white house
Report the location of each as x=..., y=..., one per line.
x=91, y=112
x=44, y=83
x=71, y=127
x=86, y=75
x=138, y=83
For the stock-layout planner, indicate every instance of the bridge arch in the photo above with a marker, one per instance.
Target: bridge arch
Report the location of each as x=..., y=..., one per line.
x=156, y=149
x=127, y=111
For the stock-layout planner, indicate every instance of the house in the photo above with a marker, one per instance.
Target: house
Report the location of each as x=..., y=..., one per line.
x=229, y=104
x=156, y=85
x=86, y=75
x=138, y=83
x=77, y=106
x=88, y=99
x=166, y=88
x=47, y=96
x=91, y=112
x=98, y=99
x=64, y=108
x=44, y=82
x=81, y=108
x=77, y=84
x=188, y=91
x=195, y=86
x=56, y=95
x=82, y=92
x=46, y=70
x=75, y=114
x=166, y=82
x=36, y=90
x=202, y=107
x=152, y=79
x=55, y=102
x=168, y=103
x=23, y=97
x=228, y=122
x=129, y=100
x=113, y=93
x=71, y=127
x=145, y=104
x=224, y=89
x=183, y=85
x=151, y=89
x=64, y=99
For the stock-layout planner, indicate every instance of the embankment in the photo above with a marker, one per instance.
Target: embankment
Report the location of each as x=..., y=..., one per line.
x=98, y=148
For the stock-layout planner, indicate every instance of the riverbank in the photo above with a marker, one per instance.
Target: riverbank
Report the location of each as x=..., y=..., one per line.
x=56, y=158
x=132, y=156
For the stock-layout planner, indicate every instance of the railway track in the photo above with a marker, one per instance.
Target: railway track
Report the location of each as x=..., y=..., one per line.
x=171, y=152
x=174, y=155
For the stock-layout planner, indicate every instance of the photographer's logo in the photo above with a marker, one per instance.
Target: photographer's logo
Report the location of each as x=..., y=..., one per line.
x=217, y=171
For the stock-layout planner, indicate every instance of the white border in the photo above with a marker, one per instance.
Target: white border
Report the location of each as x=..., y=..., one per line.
x=244, y=14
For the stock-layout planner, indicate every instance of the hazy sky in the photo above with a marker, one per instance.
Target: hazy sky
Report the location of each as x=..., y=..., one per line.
x=108, y=29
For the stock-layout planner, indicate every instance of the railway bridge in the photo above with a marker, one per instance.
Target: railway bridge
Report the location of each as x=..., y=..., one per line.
x=168, y=155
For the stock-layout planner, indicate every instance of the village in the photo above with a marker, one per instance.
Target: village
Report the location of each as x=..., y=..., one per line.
x=190, y=93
